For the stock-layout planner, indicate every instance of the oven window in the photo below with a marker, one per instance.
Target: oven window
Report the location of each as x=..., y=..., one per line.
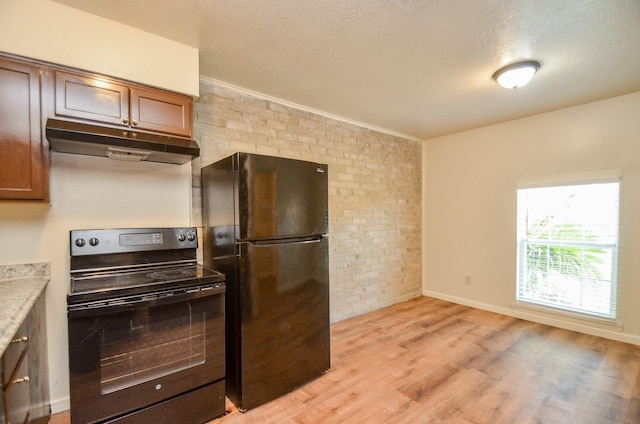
x=149, y=343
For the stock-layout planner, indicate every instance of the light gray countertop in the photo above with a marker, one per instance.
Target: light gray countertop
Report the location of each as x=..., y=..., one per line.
x=20, y=286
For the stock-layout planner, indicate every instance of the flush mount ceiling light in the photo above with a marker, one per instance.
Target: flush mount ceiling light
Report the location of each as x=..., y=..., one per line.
x=517, y=74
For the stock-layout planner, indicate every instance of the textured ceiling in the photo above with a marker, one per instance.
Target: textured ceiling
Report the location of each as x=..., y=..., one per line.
x=423, y=74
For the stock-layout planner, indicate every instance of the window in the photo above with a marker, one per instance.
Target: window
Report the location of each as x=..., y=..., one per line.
x=568, y=244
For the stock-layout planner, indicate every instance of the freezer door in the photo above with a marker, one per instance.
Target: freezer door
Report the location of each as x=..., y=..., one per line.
x=280, y=198
x=284, y=309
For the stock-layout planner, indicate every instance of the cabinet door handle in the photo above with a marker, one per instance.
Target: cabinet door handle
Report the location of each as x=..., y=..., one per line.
x=125, y=120
x=20, y=340
x=134, y=122
x=24, y=379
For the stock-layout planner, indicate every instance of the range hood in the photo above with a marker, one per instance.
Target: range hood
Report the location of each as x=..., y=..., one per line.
x=95, y=140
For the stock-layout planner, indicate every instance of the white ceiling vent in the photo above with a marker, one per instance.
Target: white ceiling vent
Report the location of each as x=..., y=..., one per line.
x=408, y=6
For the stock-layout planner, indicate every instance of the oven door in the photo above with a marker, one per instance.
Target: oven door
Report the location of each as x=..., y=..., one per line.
x=129, y=354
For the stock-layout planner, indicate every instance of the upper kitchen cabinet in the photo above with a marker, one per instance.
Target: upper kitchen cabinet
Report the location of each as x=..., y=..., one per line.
x=24, y=158
x=160, y=111
x=120, y=104
x=91, y=98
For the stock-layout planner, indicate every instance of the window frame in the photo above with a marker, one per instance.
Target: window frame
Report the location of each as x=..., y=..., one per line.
x=565, y=180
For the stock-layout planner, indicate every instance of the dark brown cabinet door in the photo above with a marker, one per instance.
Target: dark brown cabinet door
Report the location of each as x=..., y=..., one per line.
x=156, y=110
x=91, y=98
x=16, y=394
x=111, y=102
x=15, y=378
x=23, y=159
x=24, y=371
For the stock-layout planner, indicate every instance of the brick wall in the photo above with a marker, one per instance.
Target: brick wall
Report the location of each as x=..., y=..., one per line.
x=374, y=190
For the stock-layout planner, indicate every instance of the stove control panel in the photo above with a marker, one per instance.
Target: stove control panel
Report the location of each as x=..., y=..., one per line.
x=122, y=240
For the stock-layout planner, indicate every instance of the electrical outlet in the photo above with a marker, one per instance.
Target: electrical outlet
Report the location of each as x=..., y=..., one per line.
x=467, y=280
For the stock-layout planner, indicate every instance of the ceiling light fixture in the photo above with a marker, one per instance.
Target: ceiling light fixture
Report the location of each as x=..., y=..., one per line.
x=517, y=74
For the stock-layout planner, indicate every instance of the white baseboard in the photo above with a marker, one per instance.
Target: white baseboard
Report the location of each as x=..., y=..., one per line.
x=59, y=405
x=541, y=318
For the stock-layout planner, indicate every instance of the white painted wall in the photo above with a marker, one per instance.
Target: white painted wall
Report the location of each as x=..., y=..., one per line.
x=87, y=192
x=469, y=202
x=49, y=31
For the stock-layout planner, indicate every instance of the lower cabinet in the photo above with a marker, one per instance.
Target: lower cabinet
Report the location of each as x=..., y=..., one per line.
x=15, y=379
x=25, y=386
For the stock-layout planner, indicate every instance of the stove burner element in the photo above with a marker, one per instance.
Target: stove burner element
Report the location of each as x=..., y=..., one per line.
x=172, y=274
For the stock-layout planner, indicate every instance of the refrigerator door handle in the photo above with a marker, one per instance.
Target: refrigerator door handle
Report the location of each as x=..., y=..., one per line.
x=272, y=242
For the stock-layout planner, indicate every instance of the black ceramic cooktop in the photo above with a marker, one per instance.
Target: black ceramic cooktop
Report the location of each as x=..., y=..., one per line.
x=101, y=285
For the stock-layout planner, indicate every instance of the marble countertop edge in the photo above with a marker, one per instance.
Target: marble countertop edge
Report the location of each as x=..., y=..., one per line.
x=17, y=271
x=20, y=286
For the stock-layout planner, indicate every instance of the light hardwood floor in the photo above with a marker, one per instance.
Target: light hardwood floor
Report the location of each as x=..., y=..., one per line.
x=431, y=361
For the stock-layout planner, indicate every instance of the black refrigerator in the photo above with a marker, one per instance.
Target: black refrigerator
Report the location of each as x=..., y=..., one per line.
x=266, y=228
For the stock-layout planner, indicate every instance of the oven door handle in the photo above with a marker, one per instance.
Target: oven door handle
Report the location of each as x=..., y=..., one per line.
x=112, y=306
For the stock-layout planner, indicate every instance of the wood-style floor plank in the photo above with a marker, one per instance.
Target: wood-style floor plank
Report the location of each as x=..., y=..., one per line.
x=431, y=361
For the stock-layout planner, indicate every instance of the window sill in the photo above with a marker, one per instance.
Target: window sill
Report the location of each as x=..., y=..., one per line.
x=584, y=319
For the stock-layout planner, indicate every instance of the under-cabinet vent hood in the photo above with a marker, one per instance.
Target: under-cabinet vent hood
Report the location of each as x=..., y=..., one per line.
x=95, y=140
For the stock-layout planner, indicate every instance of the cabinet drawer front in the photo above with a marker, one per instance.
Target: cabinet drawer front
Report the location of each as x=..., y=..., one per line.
x=91, y=98
x=161, y=111
x=12, y=354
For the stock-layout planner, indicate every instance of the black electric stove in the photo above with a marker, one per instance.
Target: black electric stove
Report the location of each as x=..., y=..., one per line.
x=146, y=328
